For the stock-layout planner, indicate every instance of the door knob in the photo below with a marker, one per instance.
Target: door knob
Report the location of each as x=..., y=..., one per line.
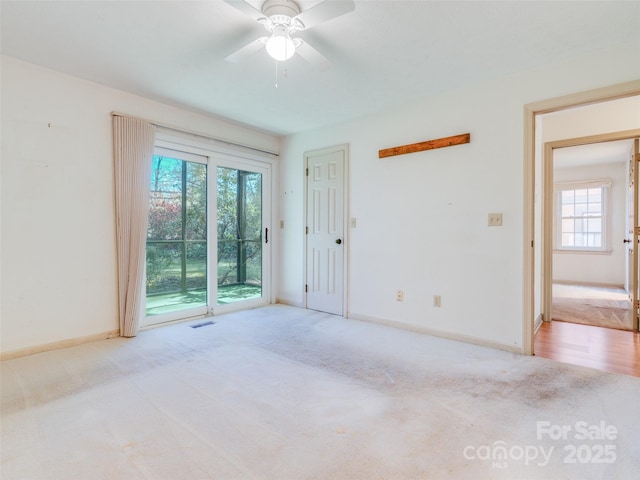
x=626, y=241
x=339, y=241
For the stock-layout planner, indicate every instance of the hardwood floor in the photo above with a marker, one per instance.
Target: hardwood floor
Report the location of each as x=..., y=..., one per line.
x=607, y=349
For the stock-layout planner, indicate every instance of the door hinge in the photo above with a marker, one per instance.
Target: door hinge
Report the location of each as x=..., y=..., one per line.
x=637, y=304
x=306, y=289
x=306, y=230
x=637, y=230
x=307, y=172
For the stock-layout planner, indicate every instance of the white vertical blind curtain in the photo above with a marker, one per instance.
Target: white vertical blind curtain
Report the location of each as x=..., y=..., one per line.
x=133, y=143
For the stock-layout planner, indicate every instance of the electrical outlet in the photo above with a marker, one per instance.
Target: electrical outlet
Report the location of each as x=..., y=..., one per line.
x=437, y=301
x=354, y=222
x=399, y=296
x=495, y=219
x=281, y=223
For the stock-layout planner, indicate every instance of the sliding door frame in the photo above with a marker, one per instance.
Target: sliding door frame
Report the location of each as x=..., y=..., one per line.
x=252, y=166
x=188, y=312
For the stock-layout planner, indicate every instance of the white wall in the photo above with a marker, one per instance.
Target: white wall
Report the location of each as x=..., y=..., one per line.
x=422, y=218
x=607, y=268
x=58, y=225
x=606, y=117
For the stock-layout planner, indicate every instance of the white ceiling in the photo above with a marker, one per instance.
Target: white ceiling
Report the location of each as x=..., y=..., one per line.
x=385, y=53
x=593, y=154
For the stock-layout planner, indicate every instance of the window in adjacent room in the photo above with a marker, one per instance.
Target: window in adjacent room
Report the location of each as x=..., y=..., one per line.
x=581, y=216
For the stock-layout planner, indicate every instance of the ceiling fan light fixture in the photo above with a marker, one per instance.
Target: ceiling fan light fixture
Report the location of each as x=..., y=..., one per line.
x=280, y=46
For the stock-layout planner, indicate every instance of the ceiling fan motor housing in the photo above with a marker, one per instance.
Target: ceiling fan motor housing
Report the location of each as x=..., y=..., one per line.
x=279, y=12
x=284, y=18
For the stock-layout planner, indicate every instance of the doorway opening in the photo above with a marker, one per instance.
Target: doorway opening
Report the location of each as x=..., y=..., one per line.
x=592, y=210
x=533, y=191
x=587, y=214
x=578, y=220
x=539, y=235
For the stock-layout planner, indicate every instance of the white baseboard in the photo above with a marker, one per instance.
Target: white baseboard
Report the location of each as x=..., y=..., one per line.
x=588, y=284
x=537, y=324
x=291, y=303
x=437, y=333
x=47, y=347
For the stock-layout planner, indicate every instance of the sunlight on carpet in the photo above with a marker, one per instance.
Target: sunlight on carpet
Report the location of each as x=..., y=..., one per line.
x=599, y=306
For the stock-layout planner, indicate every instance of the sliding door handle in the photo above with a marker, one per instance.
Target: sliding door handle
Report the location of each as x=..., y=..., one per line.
x=266, y=235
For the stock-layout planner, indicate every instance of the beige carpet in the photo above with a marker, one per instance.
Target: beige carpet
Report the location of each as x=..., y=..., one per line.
x=599, y=306
x=283, y=393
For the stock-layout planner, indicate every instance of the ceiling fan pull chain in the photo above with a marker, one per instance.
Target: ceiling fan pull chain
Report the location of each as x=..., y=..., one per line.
x=277, y=65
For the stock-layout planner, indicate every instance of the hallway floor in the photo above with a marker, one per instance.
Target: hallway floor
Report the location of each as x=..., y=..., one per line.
x=606, y=349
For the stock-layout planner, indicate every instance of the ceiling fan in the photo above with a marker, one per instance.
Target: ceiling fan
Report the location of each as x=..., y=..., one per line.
x=282, y=19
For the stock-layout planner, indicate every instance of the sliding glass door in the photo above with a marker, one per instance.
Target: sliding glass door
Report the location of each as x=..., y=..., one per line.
x=242, y=235
x=176, y=267
x=207, y=239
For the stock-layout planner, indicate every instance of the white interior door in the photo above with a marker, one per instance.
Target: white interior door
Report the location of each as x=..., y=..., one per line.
x=630, y=221
x=325, y=230
x=633, y=285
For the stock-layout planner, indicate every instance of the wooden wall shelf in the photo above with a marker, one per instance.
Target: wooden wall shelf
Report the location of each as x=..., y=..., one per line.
x=428, y=145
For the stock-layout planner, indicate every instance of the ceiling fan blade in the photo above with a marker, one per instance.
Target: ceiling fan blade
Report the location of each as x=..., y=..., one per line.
x=325, y=11
x=312, y=56
x=244, y=52
x=245, y=8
